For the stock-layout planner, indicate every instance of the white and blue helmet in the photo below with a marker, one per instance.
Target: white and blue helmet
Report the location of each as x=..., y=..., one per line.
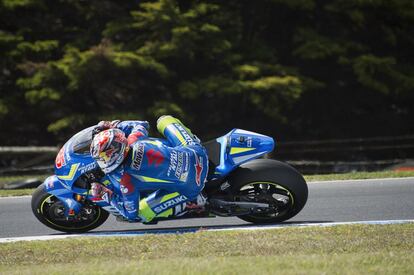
x=109, y=149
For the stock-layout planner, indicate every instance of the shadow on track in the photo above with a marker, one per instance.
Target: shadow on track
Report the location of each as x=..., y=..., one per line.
x=192, y=229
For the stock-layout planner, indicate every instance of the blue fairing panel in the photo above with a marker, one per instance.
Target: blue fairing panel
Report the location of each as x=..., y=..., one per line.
x=56, y=188
x=238, y=147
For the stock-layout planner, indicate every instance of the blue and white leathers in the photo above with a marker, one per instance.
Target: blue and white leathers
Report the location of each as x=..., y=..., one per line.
x=154, y=179
x=166, y=174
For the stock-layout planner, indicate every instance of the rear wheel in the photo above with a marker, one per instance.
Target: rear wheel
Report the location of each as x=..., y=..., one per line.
x=49, y=210
x=271, y=182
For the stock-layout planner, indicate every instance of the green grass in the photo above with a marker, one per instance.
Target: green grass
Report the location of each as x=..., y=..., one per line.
x=345, y=249
x=309, y=179
x=7, y=179
x=360, y=175
x=18, y=192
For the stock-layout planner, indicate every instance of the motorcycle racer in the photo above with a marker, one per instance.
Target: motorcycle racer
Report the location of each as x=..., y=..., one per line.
x=126, y=154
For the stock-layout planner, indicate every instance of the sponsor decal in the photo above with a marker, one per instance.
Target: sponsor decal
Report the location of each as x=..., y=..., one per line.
x=60, y=158
x=129, y=206
x=173, y=162
x=87, y=167
x=249, y=142
x=138, y=156
x=184, y=177
x=184, y=133
x=178, y=165
x=154, y=157
x=198, y=169
x=179, y=170
x=127, y=187
x=167, y=204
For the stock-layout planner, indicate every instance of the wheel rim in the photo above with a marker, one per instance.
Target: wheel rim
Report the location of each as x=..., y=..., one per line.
x=53, y=210
x=279, y=198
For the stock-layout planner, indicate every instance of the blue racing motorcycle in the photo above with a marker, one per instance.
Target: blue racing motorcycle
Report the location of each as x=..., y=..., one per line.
x=240, y=183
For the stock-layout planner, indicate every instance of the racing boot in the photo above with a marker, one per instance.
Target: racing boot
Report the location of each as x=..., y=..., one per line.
x=198, y=205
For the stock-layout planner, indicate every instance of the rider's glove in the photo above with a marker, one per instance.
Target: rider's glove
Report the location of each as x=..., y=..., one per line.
x=98, y=191
x=105, y=125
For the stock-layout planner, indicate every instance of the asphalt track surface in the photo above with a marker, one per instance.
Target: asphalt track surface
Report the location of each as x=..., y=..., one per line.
x=333, y=201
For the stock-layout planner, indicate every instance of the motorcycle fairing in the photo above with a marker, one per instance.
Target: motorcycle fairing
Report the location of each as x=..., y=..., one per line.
x=57, y=188
x=74, y=158
x=235, y=148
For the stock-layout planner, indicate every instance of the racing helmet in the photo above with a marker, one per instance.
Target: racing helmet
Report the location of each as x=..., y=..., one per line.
x=109, y=149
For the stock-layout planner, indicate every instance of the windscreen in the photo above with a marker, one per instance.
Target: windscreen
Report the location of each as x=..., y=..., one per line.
x=81, y=142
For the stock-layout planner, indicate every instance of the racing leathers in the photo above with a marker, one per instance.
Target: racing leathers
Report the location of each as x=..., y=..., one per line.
x=176, y=169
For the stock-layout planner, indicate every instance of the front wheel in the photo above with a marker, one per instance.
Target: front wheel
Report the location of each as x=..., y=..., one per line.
x=49, y=210
x=271, y=182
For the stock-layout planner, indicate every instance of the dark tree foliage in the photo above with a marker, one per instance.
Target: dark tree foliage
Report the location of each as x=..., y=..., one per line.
x=293, y=69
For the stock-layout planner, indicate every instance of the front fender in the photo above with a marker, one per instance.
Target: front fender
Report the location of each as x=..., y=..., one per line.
x=56, y=188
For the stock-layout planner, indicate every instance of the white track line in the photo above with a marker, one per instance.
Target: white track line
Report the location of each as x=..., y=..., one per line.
x=326, y=224
x=406, y=179
x=187, y=230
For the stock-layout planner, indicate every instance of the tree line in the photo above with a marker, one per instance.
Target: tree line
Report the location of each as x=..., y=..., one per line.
x=293, y=69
